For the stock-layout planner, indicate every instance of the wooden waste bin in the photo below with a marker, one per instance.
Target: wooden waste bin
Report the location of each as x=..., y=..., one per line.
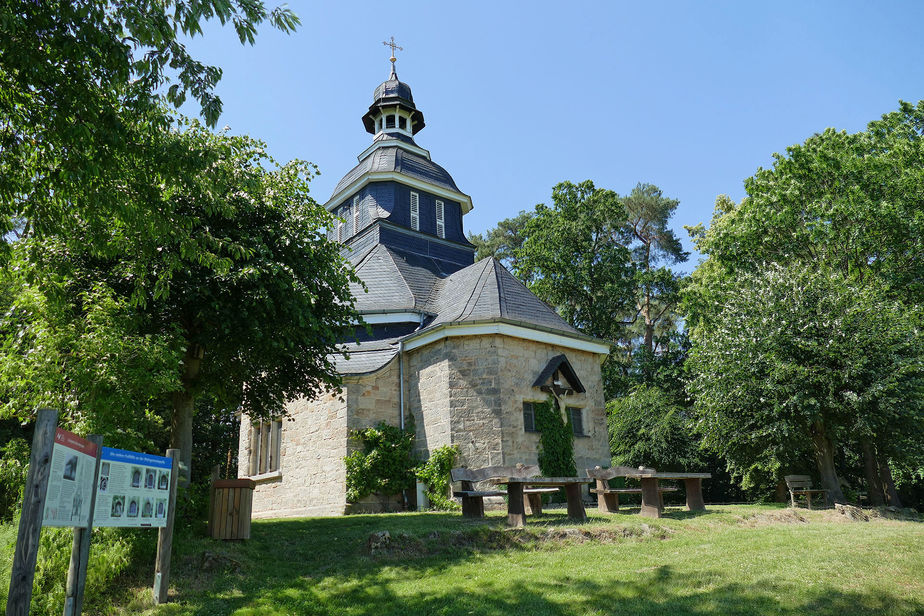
x=229, y=508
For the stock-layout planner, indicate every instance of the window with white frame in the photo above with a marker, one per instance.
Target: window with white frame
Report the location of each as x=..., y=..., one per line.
x=440, y=219
x=355, y=214
x=415, y=211
x=265, y=447
x=576, y=415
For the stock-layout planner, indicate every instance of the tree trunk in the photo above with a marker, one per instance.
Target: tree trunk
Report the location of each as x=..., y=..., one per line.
x=885, y=473
x=181, y=422
x=649, y=333
x=871, y=471
x=824, y=458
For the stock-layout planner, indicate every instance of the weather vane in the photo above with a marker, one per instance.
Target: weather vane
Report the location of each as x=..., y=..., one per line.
x=393, y=46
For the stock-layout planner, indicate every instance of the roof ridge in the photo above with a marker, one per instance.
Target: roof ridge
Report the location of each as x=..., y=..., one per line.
x=501, y=296
x=539, y=299
x=477, y=290
x=392, y=256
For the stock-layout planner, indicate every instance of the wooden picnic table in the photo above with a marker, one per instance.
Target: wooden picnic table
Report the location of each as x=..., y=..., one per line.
x=651, y=500
x=516, y=512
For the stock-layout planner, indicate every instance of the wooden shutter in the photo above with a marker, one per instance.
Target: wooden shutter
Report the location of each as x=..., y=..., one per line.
x=415, y=212
x=355, y=214
x=440, y=219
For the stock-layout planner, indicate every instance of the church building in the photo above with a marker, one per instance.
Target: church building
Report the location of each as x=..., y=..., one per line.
x=459, y=350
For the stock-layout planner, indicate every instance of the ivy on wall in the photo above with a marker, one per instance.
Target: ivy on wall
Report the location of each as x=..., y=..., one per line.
x=556, y=440
x=435, y=474
x=385, y=465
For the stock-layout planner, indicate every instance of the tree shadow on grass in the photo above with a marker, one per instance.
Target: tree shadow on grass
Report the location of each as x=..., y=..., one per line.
x=323, y=566
x=661, y=591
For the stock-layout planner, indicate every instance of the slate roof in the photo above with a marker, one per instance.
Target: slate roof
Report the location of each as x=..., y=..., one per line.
x=366, y=357
x=399, y=160
x=399, y=281
x=486, y=290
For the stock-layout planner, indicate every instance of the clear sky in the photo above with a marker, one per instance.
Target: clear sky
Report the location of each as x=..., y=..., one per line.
x=518, y=96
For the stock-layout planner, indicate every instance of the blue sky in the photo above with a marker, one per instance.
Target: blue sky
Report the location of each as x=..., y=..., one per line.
x=518, y=96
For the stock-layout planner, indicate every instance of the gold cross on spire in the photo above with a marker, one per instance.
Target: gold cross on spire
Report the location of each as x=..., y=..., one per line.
x=393, y=46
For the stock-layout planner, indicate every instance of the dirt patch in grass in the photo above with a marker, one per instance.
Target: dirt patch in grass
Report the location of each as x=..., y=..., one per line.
x=772, y=518
x=383, y=544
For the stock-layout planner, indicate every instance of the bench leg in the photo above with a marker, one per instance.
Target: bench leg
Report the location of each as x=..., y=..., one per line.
x=694, y=489
x=651, y=499
x=608, y=503
x=575, y=505
x=516, y=514
x=534, y=501
x=808, y=499
x=472, y=507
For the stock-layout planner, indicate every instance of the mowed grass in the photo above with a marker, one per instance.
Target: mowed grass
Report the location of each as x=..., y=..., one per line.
x=730, y=560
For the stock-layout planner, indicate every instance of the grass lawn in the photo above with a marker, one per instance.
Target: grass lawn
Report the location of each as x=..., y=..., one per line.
x=730, y=560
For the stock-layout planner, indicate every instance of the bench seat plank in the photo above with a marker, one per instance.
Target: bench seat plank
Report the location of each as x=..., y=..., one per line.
x=477, y=493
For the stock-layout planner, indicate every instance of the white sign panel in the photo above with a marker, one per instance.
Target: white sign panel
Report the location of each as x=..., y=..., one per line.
x=133, y=489
x=70, y=482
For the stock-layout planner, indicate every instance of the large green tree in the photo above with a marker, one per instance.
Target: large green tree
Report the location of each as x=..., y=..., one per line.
x=655, y=248
x=256, y=304
x=801, y=360
x=850, y=203
x=83, y=89
x=574, y=256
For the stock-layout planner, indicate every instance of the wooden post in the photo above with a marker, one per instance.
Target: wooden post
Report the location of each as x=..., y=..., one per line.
x=516, y=514
x=165, y=536
x=80, y=552
x=694, y=490
x=33, y=508
x=575, y=504
x=651, y=498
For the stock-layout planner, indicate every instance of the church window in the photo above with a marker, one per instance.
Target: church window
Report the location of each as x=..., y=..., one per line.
x=355, y=214
x=265, y=447
x=402, y=122
x=390, y=121
x=415, y=212
x=576, y=415
x=440, y=219
x=529, y=417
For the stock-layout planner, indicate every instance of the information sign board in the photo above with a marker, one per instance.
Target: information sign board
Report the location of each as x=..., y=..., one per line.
x=133, y=489
x=70, y=481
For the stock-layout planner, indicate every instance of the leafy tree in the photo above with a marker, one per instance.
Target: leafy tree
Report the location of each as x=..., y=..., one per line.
x=257, y=303
x=574, y=257
x=796, y=362
x=844, y=202
x=503, y=241
x=657, y=288
x=82, y=86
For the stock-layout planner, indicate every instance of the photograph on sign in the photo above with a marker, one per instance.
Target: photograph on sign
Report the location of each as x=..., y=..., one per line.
x=70, y=482
x=132, y=489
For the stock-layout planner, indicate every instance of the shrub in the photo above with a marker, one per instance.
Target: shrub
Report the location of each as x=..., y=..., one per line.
x=385, y=465
x=112, y=550
x=14, y=463
x=556, y=440
x=435, y=473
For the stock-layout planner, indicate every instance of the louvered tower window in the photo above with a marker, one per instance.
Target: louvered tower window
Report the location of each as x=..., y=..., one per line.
x=440, y=219
x=355, y=214
x=415, y=212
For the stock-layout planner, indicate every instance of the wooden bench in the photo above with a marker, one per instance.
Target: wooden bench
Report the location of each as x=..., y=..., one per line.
x=473, y=500
x=607, y=497
x=802, y=485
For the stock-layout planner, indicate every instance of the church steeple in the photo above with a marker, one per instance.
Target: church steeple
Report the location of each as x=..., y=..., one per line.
x=392, y=112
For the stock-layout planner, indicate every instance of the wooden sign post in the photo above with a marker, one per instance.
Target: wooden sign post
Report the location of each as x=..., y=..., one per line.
x=165, y=536
x=33, y=508
x=80, y=552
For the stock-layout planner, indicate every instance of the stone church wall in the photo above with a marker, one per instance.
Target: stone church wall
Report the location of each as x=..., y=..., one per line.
x=311, y=480
x=469, y=391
